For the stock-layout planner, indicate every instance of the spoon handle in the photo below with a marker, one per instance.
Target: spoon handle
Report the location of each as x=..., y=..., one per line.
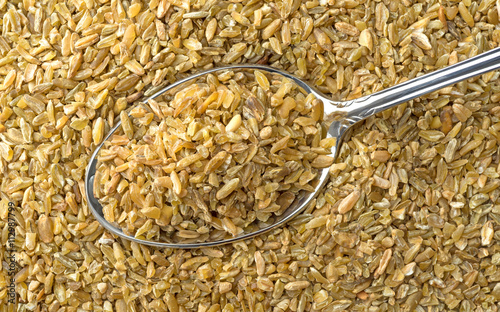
x=367, y=106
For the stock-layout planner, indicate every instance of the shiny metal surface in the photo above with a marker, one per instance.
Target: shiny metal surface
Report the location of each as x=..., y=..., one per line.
x=346, y=115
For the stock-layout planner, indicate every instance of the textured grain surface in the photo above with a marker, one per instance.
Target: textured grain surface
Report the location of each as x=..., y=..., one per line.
x=428, y=240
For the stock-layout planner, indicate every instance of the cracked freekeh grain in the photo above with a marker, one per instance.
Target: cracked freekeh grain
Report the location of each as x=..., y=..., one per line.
x=62, y=87
x=208, y=160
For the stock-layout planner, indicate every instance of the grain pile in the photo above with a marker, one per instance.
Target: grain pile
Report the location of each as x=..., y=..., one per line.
x=207, y=161
x=409, y=220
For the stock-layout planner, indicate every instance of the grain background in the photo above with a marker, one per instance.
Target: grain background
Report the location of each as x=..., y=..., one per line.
x=420, y=233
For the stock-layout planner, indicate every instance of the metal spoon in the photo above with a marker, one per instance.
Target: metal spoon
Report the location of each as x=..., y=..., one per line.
x=348, y=113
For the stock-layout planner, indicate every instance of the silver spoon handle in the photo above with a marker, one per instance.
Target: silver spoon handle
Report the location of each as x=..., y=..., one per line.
x=367, y=106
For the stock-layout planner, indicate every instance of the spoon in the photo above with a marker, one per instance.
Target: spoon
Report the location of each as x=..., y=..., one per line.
x=347, y=114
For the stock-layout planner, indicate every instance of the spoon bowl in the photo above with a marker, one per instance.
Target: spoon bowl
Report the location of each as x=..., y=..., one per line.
x=341, y=115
